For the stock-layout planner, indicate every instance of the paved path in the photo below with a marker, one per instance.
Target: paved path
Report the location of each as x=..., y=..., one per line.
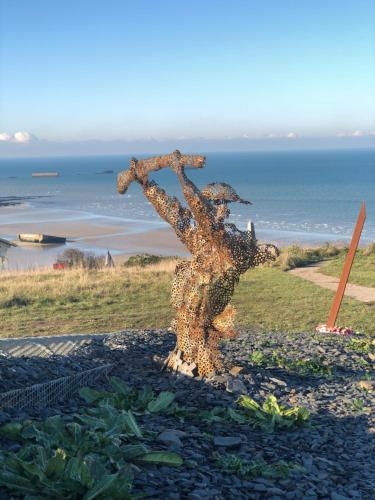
x=311, y=273
x=46, y=346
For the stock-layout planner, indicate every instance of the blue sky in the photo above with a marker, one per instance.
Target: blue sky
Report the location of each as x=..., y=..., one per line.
x=137, y=72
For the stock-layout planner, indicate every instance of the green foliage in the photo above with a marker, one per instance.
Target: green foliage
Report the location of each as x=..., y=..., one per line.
x=145, y=259
x=364, y=345
x=87, y=455
x=124, y=398
x=369, y=250
x=363, y=269
x=233, y=464
x=316, y=365
x=270, y=416
x=357, y=405
x=296, y=256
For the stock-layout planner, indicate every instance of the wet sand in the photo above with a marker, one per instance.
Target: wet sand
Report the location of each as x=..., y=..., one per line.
x=96, y=233
x=84, y=231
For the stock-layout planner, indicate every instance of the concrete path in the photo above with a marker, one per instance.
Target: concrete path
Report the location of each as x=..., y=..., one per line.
x=45, y=347
x=311, y=273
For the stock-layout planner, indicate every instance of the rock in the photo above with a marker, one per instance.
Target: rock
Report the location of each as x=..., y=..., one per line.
x=337, y=496
x=158, y=361
x=227, y=441
x=171, y=437
x=236, y=386
x=236, y=370
x=278, y=381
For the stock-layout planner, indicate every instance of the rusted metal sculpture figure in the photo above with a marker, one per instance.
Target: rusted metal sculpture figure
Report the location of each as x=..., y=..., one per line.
x=203, y=286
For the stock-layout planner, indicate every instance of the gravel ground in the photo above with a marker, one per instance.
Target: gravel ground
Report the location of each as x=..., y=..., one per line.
x=336, y=450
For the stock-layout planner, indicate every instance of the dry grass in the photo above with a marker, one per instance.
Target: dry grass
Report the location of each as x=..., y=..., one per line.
x=49, y=302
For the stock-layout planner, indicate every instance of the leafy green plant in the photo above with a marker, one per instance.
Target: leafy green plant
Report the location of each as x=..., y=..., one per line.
x=357, y=405
x=88, y=455
x=258, y=358
x=233, y=464
x=316, y=365
x=364, y=345
x=125, y=398
x=270, y=416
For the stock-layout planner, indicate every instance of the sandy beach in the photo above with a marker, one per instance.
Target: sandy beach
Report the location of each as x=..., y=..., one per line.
x=97, y=233
x=84, y=231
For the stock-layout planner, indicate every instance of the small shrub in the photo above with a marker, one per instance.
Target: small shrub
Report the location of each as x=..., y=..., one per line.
x=77, y=258
x=369, y=250
x=145, y=259
x=296, y=256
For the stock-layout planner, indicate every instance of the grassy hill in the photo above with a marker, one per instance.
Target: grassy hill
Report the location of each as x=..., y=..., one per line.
x=90, y=301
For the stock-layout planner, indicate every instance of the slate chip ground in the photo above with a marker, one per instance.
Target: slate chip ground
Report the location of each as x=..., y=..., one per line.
x=337, y=451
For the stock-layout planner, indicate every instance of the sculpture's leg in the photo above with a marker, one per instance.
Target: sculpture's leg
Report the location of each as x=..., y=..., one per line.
x=196, y=351
x=203, y=318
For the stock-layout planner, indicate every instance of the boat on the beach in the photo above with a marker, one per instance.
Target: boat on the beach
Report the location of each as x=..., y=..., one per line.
x=42, y=238
x=45, y=174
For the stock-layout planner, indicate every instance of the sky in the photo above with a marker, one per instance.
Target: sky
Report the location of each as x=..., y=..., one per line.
x=95, y=77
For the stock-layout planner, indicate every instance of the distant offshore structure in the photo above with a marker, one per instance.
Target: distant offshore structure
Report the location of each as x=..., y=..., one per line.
x=45, y=174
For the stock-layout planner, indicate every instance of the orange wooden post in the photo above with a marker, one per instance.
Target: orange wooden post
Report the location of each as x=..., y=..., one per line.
x=347, y=267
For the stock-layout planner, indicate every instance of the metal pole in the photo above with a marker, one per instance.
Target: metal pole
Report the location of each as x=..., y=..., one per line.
x=347, y=267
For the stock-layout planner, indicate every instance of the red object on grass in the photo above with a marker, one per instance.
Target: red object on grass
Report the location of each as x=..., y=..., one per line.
x=59, y=265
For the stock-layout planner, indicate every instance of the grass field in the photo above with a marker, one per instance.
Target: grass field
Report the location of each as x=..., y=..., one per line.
x=363, y=270
x=55, y=302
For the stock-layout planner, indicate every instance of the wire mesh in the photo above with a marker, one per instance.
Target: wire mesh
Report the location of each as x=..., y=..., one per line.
x=51, y=392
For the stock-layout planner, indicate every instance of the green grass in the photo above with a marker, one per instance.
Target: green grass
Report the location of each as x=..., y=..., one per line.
x=363, y=269
x=82, y=301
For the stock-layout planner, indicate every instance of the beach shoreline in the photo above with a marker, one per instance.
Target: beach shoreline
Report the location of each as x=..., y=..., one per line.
x=122, y=237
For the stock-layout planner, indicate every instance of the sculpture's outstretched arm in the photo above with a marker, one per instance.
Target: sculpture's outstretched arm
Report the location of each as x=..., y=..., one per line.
x=203, y=211
x=169, y=208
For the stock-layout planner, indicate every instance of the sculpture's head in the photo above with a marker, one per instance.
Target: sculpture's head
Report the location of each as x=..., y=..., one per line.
x=220, y=194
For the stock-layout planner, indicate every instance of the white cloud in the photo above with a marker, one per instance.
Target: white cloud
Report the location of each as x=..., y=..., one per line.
x=5, y=137
x=18, y=137
x=22, y=137
x=354, y=133
x=292, y=135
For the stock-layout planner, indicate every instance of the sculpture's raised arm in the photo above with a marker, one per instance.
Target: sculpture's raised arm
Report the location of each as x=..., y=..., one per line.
x=168, y=207
x=139, y=169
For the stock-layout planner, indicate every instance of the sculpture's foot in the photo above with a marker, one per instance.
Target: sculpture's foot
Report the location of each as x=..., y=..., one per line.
x=174, y=362
x=206, y=368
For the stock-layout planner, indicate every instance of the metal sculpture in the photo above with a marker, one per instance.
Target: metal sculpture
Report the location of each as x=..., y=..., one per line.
x=203, y=286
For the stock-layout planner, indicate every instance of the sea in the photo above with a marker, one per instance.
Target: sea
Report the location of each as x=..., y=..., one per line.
x=298, y=196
